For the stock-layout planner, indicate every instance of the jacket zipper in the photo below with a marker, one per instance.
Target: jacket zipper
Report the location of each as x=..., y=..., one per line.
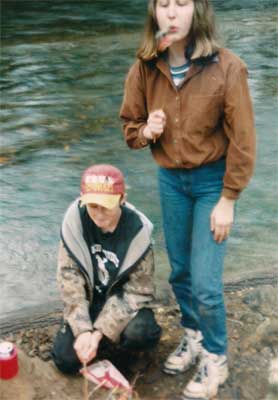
x=126, y=272
x=85, y=274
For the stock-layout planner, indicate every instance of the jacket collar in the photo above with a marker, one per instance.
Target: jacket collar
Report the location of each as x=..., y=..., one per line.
x=72, y=236
x=195, y=67
x=163, y=66
x=212, y=58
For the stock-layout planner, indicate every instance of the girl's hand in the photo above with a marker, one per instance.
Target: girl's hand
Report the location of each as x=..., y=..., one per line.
x=155, y=125
x=222, y=218
x=86, y=345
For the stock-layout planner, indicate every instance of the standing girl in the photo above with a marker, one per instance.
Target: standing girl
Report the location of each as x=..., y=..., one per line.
x=190, y=103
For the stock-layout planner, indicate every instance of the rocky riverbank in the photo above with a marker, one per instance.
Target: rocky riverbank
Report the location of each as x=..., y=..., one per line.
x=253, y=347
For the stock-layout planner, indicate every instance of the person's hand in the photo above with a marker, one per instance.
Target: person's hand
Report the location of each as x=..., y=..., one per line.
x=155, y=125
x=86, y=345
x=222, y=218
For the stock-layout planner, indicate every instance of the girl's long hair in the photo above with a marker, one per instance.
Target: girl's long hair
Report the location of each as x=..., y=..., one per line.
x=202, y=35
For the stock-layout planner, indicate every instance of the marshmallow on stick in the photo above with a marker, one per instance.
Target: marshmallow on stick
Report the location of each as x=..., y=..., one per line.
x=163, y=40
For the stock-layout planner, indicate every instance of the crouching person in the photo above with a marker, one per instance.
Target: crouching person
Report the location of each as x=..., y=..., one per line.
x=105, y=273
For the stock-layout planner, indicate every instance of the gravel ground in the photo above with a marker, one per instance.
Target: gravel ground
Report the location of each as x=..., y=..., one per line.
x=253, y=344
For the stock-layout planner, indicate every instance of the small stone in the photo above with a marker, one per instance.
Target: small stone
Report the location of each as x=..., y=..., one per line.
x=33, y=353
x=269, y=334
x=44, y=348
x=9, y=338
x=235, y=336
x=45, y=356
x=266, y=352
x=260, y=317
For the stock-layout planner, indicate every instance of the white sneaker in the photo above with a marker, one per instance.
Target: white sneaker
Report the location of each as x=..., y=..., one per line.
x=212, y=372
x=186, y=353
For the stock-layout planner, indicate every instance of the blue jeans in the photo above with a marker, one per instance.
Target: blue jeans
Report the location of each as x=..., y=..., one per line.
x=188, y=197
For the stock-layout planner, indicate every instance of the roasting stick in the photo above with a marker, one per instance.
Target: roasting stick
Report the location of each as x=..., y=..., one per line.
x=97, y=387
x=163, y=40
x=85, y=383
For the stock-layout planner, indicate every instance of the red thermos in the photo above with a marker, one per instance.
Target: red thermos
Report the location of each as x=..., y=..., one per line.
x=8, y=360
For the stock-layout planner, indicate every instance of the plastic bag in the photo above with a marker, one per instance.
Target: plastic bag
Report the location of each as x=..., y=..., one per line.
x=105, y=374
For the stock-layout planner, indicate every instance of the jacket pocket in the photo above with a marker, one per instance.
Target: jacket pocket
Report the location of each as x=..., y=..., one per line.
x=204, y=114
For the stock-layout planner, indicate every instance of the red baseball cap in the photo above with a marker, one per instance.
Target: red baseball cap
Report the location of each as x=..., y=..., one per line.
x=102, y=184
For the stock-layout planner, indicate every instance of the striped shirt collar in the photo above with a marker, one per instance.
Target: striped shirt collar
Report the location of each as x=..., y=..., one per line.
x=178, y=73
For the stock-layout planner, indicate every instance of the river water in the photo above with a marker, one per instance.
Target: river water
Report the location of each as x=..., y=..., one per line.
x=63, y=65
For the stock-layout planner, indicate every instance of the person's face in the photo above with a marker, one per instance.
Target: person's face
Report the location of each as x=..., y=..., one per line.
x=175, y=16
x=106, y=219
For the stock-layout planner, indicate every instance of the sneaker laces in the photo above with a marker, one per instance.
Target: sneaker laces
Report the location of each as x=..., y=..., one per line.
x=182, y=347
x=202, y=371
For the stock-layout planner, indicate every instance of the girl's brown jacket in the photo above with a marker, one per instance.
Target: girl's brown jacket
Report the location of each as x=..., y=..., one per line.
x=208, y=117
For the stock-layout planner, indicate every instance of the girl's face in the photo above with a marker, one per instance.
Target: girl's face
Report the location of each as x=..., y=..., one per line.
x=106, y=219
x=175, y=17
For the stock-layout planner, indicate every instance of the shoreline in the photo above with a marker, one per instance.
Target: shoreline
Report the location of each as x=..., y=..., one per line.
x=50, y=313
x=252, y=321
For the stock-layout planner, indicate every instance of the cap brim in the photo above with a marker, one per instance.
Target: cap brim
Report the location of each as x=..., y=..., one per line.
x=105, y=200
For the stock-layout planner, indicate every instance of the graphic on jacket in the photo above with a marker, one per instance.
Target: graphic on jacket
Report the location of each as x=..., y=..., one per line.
x=108, y=249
